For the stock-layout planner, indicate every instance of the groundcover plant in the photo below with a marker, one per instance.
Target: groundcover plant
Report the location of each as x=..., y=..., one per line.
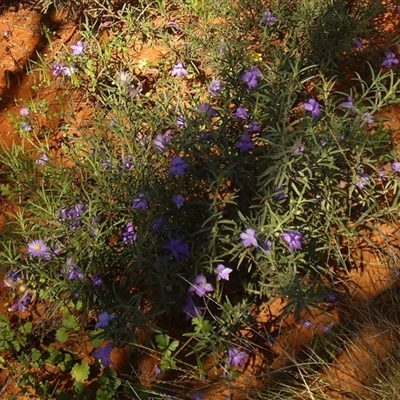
x=209, y=159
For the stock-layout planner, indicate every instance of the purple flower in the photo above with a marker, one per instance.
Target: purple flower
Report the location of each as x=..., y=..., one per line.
x=241, y=113
x=200, y=286
x=179, y=70
x=362, y=181
x=57, y=69
x=97, y=282
x=268, y=19
x=348, y=104
x=245, y=143
x=42, y=160
x=68, y=70
x=358, y=43
x=178, y=166
x=253, y=127
x=181, y=121
x=11, y=278
x=72, y=270
x=196, y=396
x=205, y=108
x=251, y=77
x=332, y=298
x=368, y=118
x=299, y=149
x=140, y=202
x=123, y=78
x=325, y=330
x=390, y=60
x=38, y=248
x=249, y=237
x=24, y=111
x=179, y=200
x=78, y=48
x=267, y=246
x=161, y=141
x=21, y=304
x=174, y=25
x=293, y=239
x=216, y=87
x=104, y=354
x=129, y=234
x=236, y=358
x=313, y=107
x=178, y=247
x=127, y=163
x=25, y=126
x=279, y=193
x=158, y=224
x=396, y=166
x=191, y=310
x=73, y=214
x=134, y=91
x=103, y=320
x=307, y=324
x=222, y=272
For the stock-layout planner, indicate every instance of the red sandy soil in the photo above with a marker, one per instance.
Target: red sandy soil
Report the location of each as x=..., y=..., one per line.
x=21, y=38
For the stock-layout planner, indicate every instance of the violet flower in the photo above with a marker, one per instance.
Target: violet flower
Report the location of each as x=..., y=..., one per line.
x=205, y=108
x=161, y=141
x=390, y=60
x=103, y=320
x=140, y=202
x=236, y=358
x=245, y=143
x=267, y=246
x=78, y=48
x=358, y=43
x=200, y=286
x=241, y=113
x=11, y=279
x=104, y=354
x=22, y=304
x=42, y=160
x=179, y=70
x=24, y=111
x=279, y=193
x=268, y=19
x=191, y=310
x=299, y=149
x=129, y=234
x=368, y=118
x=215, y=87
x=348, y=104
x=251, y=77
x=26, y=126
x=179, y=201
x=72, y=271
x=396, y=166
x=293, y=239
x=249, y=237
x=38, y=248
x=253, y=127
x=178, y=166
x=362, y=181
x=222, y=272
x=178, y=247
x=157, y=224
x=123, y=78
x=313, y=107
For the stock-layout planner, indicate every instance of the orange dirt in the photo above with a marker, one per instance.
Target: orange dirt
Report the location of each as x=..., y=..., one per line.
x=21, y=38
